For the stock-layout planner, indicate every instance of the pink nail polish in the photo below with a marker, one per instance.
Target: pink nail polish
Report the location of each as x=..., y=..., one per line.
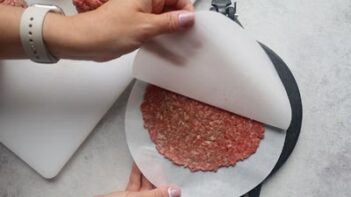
x=186, y=19
x=174, y=191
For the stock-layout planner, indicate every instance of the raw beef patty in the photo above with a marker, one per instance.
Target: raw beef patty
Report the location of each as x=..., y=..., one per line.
x=87, y=5
x=17, y=3
x=196, y=135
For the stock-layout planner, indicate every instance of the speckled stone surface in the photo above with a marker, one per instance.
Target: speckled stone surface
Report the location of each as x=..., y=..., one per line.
x=313, y=38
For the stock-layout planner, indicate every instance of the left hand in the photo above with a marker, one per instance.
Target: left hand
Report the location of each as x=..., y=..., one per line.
x=139, y=186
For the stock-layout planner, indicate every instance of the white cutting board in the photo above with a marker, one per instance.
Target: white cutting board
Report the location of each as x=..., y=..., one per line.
x=46, y=111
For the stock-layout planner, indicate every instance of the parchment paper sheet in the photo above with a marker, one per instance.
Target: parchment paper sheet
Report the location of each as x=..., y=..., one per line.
x=226, y=182
x=219, y=63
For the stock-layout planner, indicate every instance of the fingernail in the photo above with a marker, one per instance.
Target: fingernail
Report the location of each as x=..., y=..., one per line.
x=186, y=19
x=174, y=191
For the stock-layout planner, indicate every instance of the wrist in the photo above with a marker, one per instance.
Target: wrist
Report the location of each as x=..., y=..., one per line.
x=71, y=37
x=61, y=37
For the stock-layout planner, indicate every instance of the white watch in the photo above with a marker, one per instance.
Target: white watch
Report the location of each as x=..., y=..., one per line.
x=31, y=32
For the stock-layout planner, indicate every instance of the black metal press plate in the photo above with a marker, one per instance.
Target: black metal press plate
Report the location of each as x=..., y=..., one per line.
x=293, y=131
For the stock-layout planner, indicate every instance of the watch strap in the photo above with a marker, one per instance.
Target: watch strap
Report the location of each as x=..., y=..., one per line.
x=31, y=34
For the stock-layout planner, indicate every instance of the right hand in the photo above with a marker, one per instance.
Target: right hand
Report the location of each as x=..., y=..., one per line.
x=117, y=27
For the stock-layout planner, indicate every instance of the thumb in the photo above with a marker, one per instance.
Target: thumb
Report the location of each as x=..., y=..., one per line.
x=172, y=191
x=172, y=21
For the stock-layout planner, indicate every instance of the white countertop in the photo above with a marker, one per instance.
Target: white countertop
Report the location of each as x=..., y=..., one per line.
x=313, y=38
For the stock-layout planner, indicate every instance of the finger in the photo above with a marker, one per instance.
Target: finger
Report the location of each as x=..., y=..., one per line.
x=114, y=194
x=145, y=184
x=172, y=191
x=180, y=4
x=134, y=179
x=158, y=6
x=170, y=22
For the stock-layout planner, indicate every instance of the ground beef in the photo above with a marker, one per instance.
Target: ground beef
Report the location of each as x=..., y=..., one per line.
x=17, y=3
x=87, y=5
x=196, y=135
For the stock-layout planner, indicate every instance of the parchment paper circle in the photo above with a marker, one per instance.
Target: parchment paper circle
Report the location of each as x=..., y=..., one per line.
x=226, y=182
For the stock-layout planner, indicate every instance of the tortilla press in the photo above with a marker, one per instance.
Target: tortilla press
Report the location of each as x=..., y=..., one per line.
x=227, y=69
x=291, y=87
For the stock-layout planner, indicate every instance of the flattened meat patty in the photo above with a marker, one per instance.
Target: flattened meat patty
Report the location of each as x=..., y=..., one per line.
x=196, y=135
x=16, y=3
x=87, y=5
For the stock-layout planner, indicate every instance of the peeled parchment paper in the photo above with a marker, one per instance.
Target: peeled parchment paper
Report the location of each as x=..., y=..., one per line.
x=217, y=62
x=226, y=182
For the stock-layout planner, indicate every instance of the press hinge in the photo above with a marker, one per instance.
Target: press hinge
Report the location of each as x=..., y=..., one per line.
x=224, y=7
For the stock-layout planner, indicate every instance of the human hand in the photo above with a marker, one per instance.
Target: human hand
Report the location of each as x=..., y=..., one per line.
x=139, y=186
x=115, y=28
